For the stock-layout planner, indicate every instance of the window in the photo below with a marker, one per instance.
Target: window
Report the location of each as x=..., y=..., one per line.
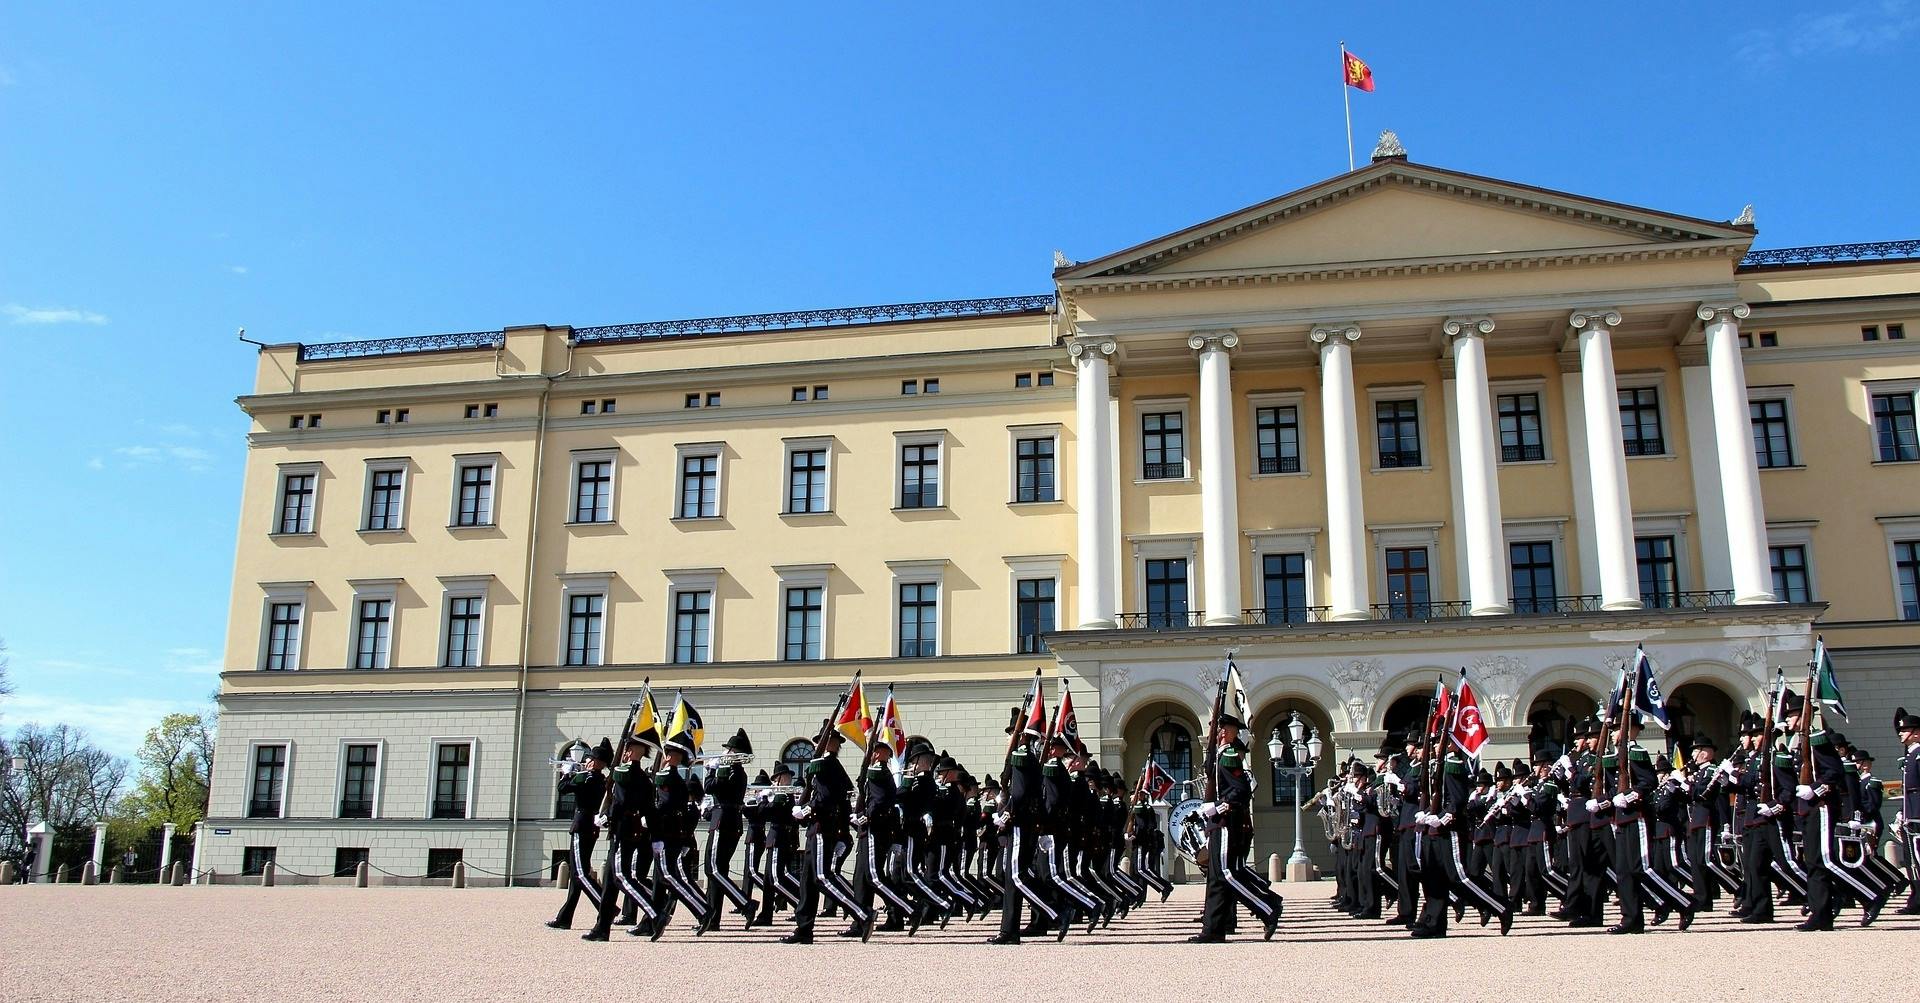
x=930, y=386
x=1283, y=581
x=442, y=861
x=803, y=635
x=1896, y=332
x=283, y=635
x=1769, y=339
x=920, y=475
x=1166, y=592
x=587, y=407
x=1276, y=432
x=361, y=770
x=1746, y=340
x=1022, y=381
x=1870, y=332
x=313, y=421
x=452, y=761
x=1772, y=443
x=1171, y=748
x=1046, y=379
x=1533, y=590
x=1893, y=428
x=1790, y=573
x=820, y=393
x=255, y=860
x=1408, y=595
x=713, y=398
x=586, y=614
x=799, y=394
x=373, y=633
x=267, y=798
x=463, y=631
x=383, y=416
x=297, y=421
x=692, y=627
x=296, y=502
x=400, y=416
x=1034, y=479
x=1034, y=611
x=347, y=860
x=796, y=755
x=1659, y=571
x=607, y=406
x=700, y=486
x=1520, y=438
x=385, y=487
x=491, y=411
x=693, y=400
x=919, y=620
x=472, y=411
x=593, y=489
x=908, y=388
x=1640, y=421
x=1398, y=426
x=474, y=506
x=807, y=480
x=1163, y=445
x=1906, y=563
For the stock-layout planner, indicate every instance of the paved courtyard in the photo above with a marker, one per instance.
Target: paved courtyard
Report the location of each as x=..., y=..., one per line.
x=423, y=944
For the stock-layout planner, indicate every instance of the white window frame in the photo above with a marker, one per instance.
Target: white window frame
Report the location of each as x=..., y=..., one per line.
x=1161, y=547
x=371, y=589
x=1895, y=529
x=1657, y=379
x=572, y=584
x=1422, y=414
x=1262, y=542
x=605, y=454
x=1799, y=533
x=461, y=462
x=1395, y=536
x=1870, y=389
x=433, y=773
x=465, y=587
x=699, y=580
x=1259, y=399
x=921, y=572
x=1015, y=433
x=382, y=465
x=936, y=437
x=379, y=774
x=1030, y=568
x=1672, y=524
x=1552, y=531
x=317, y=472
x=1536, y=385
x=802, y=444
x=253, y=765
x=1143, y=406
x=688, y=450
x=804, y=576
x=284, y=592
x=1784, y=394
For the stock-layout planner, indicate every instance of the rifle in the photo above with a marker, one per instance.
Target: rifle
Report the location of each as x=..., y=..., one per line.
x=820, y=740
x=1213, y=741
x=1428, y=800
x=626, y=736
x=1629, y=692
x=1766, y=740
x=1806, y=734
x=1013, y=734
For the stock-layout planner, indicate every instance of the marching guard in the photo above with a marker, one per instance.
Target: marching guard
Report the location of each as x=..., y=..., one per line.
x=588, y=786
x=1230, y=817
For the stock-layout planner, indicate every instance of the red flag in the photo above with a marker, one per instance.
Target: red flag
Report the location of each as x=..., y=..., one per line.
x=1155, y=781
x=1036, y=722
x=856, y=717
x=1358, y=74
x=1442, y=708
x=1469, y=731
x=1065, y=723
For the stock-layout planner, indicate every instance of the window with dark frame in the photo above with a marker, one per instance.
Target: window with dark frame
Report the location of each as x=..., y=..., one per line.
x=919, y=620
x=1397, y=424
x=1022, y=381
x=463, y=630
x=700, y=486
x=587, y=407
x=254, y=860
x=1167, y=592
x=1659, y=571
x=452, y=761
x=1769, y=339
x=283, y=635
x=1893, y=427
x=931, y=386
x=401, y=415
x=1034, y=613
x=442, y=860
x=1034, y=479
x=1283, y=588
x=476, y=495
x=585, y=616
x=357, y=785
x=1640, y=421
x=806, y=481
x=1409, y=596
x=1534, y=589
x=296, y=503
x=1163, y=450
x=1276, y=434
x=1520, y=438
x=1896, y=332
x=492, y=411
x=1870, y=332
x=313, y=421
x=347, y=860
x=1906, y=563
x=799, y=394
x=296, y=421
x=593, y=491
x=713, y=398
x=820, y=393
x=692, y=627
x=920, y=475
x=269, y=781
x=472, y=411
x=1772, y=439
x=1045, y=378
x=383, y=416
x=383, y=499
x=803, y=640
x=909, y=388
x=607, y=406
x=1790, y=583
x=373, y=633
x=693, y=400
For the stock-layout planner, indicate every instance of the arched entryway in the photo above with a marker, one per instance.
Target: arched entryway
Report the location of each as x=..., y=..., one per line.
x=1172, y=736
x=1273, y=802
x=1703, y=708
x=1408, y=715
x=1551, y=716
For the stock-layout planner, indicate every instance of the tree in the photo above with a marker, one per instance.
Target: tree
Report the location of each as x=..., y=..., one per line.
x=66, y=781
x=176, y=772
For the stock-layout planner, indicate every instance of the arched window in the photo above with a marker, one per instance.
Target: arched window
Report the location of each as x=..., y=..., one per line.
x=1408, y=715
x=1171, y=746
x=796, y=754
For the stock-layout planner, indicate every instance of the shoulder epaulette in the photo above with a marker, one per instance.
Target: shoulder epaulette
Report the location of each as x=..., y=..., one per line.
x=1783, y=759
x=1456, y=767
x=1609, y=760
x=1822, y=738
x=1638, y=755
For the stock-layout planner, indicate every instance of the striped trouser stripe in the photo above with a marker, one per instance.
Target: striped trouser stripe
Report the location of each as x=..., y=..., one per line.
x=1660, y=884
x=877, y=878
x=1018, y=875
x=833, y=884
x=718, y=875
x=634, y=895
x=1462, y=880
x=582, y=872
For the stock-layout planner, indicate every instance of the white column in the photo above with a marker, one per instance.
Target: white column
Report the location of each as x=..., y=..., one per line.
x=1739, y=470
x=99, y=845
x=166, y=851
x=1483, y=539
x=1093, y=480
x=1219, y=488
x=1606, y=461
x=1346, y=517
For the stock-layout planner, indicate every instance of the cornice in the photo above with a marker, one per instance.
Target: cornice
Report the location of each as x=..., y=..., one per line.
x=1843, y=351
x=492, y=427
x=875, y=405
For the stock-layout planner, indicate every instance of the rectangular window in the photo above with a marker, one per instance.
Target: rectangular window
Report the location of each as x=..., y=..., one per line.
x=799, y=394
x=713, y=398
x=383, y=498
x=803, y=641
x=283, y=635
x=1022, y=381
x=1046, y=379
x=820, y=393
x=1398, y=427
x=265, y=799
x=1034, y=470
x=356, y=787
x=1534, y=590
x=1283, y=584
x=1772, y=445
x=693, y=627
x=1520, y=438
x=347, y=860
x=297, y=421
x=296, y=503
x=919, y=620
x=700, y=486
x=1167, y=592
x=442, y=861
x=920, y=475
x=1906, y=562
x=1769, y=339
x=255, y=859
x=1408, y=594
x=476, y=495
x=1659, y=571
x=463, y=630
x=585, y=616
x=491, y=411
x=930, y=386
x=1276, y=433
x=1893, y=428
x=593, y=491
x=383, y=416
x=1640, y=421
x=908, y=388
x=373, y=634
x=606, y=407
x=1870, y=332
x=472, y=411
x=1896, y=332
x=1034, y=611
x=1790, y=573
x=807, y=481
x=693, y=400
x=1163, y=445
x=587, y=407
x=452, y=761
x=400, y=416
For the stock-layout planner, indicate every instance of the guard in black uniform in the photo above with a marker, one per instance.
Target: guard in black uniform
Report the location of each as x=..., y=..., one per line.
x=1907, y=819
x=1230, y=821
x=1410, y=780
x=1629, y=810
x=827, y=812
x=672, y=842
x=589, y=788
x=626, y=825
x=727, y=787
x=779, y=880
x=1019, y=818
x=1149, y=844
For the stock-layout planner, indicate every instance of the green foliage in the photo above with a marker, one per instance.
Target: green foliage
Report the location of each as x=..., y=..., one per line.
x=176, y=768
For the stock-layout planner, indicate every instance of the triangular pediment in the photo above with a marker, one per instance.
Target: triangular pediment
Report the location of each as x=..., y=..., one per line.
x=1402, y=212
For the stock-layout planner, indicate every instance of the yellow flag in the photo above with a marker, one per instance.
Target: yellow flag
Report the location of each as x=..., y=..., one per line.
x=686, y=719
x=646, y=722
x=856, y=718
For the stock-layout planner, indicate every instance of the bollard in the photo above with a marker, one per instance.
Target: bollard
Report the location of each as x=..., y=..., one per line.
x=212, y=875
x=88, y=875
x=117, y=875
x=1274, y=871
x=460, y=874
x=179, y=873
x=266, y=875
x=360, y=874
x=564, y=875
x=6, y=872
x=61, y=877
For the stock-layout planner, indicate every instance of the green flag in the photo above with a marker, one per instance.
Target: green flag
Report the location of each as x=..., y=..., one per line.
x=1826, y=688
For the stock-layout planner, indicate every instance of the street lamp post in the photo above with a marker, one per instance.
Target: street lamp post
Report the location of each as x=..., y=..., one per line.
x=1303, y=741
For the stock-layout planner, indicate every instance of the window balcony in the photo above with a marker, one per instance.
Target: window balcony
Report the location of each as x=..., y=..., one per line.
x=1647, y=445
x=443, y=808
x=1527, y=453
x=258, y=808
x=1399, y=458
x=1279, y=464
x=1169, y=620
x=356, y=807
x=1163, y=471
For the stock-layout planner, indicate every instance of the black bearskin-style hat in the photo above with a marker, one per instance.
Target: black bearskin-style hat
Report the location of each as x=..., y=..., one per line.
x=603, y=752
x=945, y=763
x=1791, y=703
x=1662, y=764
x=683, y=742
x=1838, y=740
x=781, y=770
x=740, y=743
x=1749, y=723
x=992, y=784
x=1862, y=756
x=1503, y=772
x=762, y=779
x=1229, y=721
x=1543, y=756
x=1483, y=778
x=1903, y=721
x=917, y=747
x=1701, y=740
x=1590, y=727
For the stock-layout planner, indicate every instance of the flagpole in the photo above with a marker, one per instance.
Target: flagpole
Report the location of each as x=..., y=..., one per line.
x=1346, y=102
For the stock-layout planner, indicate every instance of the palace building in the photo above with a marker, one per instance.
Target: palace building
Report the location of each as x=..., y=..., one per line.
x=1397, y=423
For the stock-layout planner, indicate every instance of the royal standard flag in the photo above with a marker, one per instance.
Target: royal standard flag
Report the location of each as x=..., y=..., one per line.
x=687, y=719
x=1356, y=71
x=1826, y=688
x=890, y=728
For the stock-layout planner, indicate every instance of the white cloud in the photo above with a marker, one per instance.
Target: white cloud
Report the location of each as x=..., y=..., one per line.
x=96, y=463
x=193, y=662
x=116, y=725
x=190, y=458
x=51, y=315
x=179, y=430
x=237, y=269
x=1866, y=27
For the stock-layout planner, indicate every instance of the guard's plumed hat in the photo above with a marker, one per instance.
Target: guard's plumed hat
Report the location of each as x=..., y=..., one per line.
x=603, y=752
x=740, y=743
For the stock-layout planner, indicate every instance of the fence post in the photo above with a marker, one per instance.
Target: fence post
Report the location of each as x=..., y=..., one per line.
x=179, y=873
x=360, y=874
x=99, y=845
x=6, y=872
x=89, y=874
x=563, y=877
x=266, y=875
x=166, y=850
x=117, y=875
x=460, y=874
x=199, y=841
x=60, y=876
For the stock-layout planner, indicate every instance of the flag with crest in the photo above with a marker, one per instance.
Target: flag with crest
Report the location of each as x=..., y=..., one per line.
x=1826, y=687
x=1469, y=731
x=686, y=719
x=646, y=722
x=856, y=717
x=1066, y=724
x=1035, y=723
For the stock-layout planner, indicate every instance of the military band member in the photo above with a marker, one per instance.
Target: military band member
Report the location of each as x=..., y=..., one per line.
x=1706, y=786
x=1409, y=780
x=1149, y=844
x=626, y=825
x=1444, y=871
x=1230, y=815
x=1824, y=797
x=1061, y=805
x=1630, y=777
x=1366, y=844
x=756, y=835
x=726, y=786
x=1019, y=818
x=780, y=874
x=1907, y=819
x=826, y=813
x=917, y=811
x=1533, y=852
x=877, y=834
x=672, y=834
x=1867, y=825
x=588, y=787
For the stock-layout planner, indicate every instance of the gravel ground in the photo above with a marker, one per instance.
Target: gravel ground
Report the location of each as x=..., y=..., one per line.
x=72, y=942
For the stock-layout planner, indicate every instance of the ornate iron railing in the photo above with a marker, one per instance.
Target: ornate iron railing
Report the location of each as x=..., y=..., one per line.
x=833, y=317
x=1432, y=609
x=400, y=346
x=1438, y=609
x=1833, y=252
x=1285, y=616
x=1554, y=605
x=1688, y=600
x=1180, y=620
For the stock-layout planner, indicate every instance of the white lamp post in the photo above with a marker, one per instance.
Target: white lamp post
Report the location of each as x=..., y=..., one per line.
x=1304, y=742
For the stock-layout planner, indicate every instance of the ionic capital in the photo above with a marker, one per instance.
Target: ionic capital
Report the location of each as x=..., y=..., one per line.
x=1208, y=341
x=1600, y=319
x=1089, y=349
x=1468, y=327
x=1332, y=334
x=1711, y=312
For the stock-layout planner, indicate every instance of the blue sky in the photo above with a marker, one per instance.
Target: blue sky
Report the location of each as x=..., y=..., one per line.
x=316, y=172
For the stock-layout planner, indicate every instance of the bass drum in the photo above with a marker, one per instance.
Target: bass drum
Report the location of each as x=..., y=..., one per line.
x=1187, y=831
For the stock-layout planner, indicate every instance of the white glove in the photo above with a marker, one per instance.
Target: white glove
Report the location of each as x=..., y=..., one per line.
x=1564, y=803
x=926, y=819
x=706, y=804
x=1770, y=810
x=1593, y=804
x=1625, y=800
x=1351, y=789
x=859, y=820
x=1393, y=780
x=1565, y=763
x=802, y=812
x=1442, y=821
x=1210, y=809
x=1803, y=792
x=1000, y=820
x=600, y=821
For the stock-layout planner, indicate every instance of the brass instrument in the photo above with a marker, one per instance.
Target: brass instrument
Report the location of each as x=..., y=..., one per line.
x=563, y=767
x=772, y=790
x=1387, y=799
x=719, y=759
